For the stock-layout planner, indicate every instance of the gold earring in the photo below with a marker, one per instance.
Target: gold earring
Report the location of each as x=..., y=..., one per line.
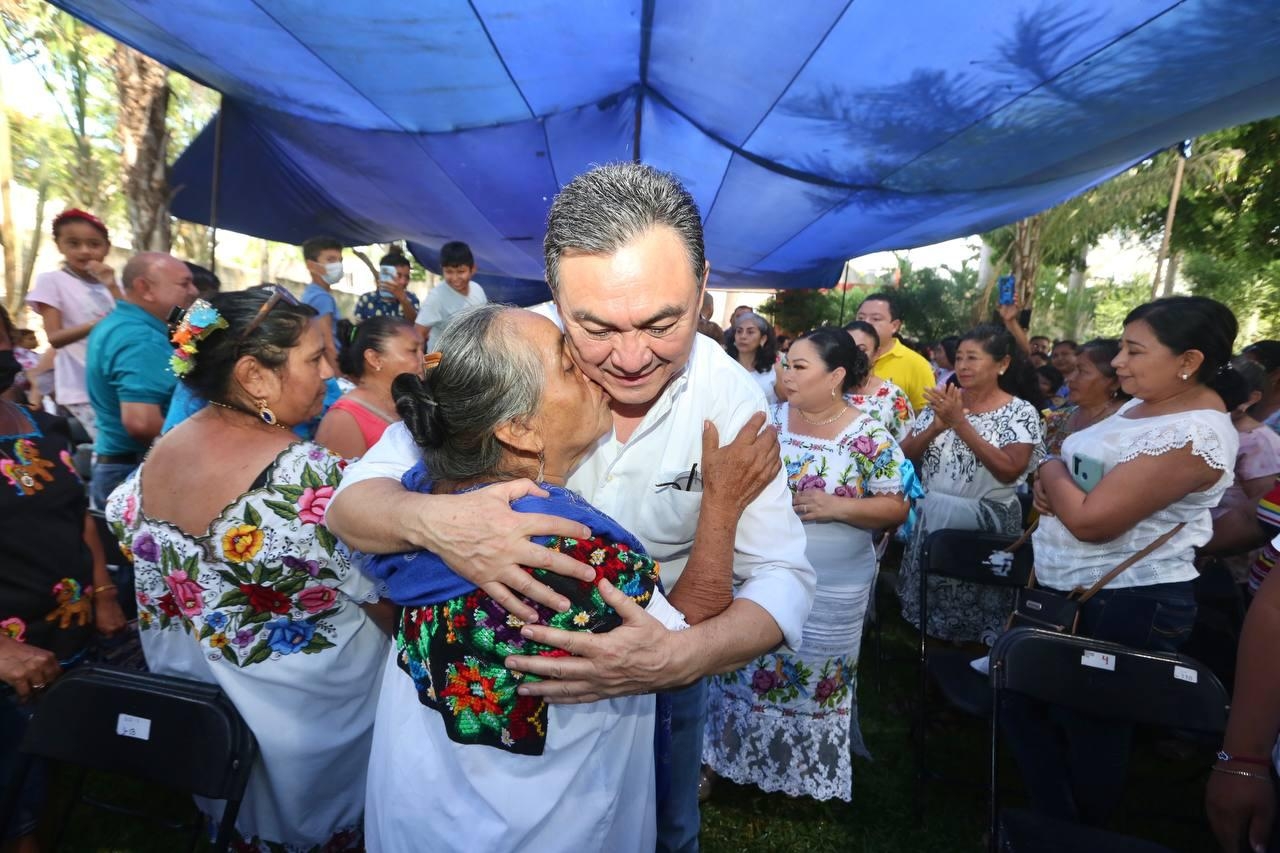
x=264, y=412
x=542, y=465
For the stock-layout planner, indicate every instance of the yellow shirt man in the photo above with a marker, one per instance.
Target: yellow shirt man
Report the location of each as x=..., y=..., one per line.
x=908, y=370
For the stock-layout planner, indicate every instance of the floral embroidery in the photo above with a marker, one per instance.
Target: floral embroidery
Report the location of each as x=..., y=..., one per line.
x=454, y=651
x=240, y=544
x=263, y=585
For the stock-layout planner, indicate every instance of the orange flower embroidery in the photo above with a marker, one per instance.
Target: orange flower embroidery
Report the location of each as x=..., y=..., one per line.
x=241, y=544
x=468, y=690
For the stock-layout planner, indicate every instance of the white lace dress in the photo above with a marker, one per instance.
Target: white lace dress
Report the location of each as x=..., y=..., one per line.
x=266, y=606
x=788, y=722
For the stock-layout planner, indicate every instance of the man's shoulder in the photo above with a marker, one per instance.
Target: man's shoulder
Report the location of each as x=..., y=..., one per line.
x=717, y=382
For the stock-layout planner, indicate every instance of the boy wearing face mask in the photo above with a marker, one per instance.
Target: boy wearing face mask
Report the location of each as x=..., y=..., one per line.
x=324, y=262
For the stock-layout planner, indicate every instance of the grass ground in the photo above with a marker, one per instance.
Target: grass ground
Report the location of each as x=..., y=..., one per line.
x=1163, y=801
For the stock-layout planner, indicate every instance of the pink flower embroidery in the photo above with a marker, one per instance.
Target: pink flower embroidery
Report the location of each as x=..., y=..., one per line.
x=130, y=510
x=811, y=481
x=313, y=599
x=313, y=503
x=186, y=593
x=14, y=628
x=865, y=445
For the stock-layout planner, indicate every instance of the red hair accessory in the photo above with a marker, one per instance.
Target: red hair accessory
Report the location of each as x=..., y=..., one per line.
x=82, y=215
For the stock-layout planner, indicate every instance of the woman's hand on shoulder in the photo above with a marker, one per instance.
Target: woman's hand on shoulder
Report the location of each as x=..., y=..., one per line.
x=484, y=540
x=735, y=475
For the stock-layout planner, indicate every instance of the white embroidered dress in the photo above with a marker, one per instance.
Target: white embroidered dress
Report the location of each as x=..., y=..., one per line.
x=788, y=721
x=266, y=606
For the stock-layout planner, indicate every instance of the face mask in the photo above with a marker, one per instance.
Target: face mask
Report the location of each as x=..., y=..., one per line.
x=9, y=369
x=332, y=272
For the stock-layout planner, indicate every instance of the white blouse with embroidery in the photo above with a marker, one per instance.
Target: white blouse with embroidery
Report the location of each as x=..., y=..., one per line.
x=1064, y=562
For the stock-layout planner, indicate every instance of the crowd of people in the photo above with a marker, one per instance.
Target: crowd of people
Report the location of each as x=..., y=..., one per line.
x=483, y=577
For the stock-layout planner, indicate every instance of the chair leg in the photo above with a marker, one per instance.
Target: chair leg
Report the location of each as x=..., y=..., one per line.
x=226, y=827
x=993, y=843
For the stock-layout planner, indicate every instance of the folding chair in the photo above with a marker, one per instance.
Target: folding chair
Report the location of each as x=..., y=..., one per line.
x=174, y=732
x=1105, y=680
x=974, y=557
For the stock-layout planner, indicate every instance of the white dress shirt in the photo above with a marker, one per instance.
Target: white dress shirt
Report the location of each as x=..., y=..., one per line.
x=626, y=481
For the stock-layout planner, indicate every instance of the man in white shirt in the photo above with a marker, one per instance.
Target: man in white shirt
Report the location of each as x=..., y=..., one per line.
x=457, y=265
x=626, y=266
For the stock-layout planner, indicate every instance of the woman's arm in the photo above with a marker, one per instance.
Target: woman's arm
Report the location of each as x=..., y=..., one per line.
x=339, y=432
x=733, y=476
x=1126, y=494
x=383, y=614
x=1243, y=808
x=108, y=618
x=915, y=444
x=1006, y=464
x=874, y=512
x=57, y=335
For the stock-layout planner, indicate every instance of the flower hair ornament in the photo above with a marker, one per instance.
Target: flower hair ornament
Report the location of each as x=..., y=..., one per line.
x=199, y=321
x=431, y=360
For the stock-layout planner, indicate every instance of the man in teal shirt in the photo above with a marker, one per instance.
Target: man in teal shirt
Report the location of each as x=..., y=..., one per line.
x=127, y=367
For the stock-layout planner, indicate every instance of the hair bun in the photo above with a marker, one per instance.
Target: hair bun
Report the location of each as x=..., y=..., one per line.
x=419, y=410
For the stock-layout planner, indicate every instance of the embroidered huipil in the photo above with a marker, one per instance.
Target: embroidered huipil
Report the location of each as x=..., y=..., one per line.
x=266, y=606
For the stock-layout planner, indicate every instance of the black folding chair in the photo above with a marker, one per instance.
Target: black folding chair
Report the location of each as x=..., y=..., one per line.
x=184, y=735
x=974, y=557
x=1104, y=680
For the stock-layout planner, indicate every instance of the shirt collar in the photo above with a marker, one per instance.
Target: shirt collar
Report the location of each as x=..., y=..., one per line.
x=139, y=312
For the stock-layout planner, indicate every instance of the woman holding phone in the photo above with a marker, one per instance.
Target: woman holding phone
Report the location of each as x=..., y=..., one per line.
x=1139, y=484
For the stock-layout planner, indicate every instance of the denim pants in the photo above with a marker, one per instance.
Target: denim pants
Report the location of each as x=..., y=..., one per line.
x=678, y=817
x=106, y=476
x=1074, y=764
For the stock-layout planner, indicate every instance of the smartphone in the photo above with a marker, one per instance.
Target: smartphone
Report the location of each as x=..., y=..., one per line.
x=386, y=275
x=1087, y=472
x=1008, y=294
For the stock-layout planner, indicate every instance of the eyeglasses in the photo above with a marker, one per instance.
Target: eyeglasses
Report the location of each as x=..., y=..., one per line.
x=278, y=294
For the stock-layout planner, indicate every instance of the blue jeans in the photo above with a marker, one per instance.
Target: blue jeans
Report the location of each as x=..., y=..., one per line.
x=1074, y=764
x=678, y=817
x=106, y=476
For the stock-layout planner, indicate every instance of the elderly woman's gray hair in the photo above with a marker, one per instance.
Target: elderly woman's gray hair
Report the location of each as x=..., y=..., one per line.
x=486, y=377
x=600, y=211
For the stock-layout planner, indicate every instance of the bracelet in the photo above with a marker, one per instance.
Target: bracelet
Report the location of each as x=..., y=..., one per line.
x=1244, y=759
x=1245, y=773
x=103, y=588
x=1046, y=460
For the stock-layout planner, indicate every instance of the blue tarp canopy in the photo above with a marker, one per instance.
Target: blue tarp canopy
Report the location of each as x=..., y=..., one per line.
x=808, y=132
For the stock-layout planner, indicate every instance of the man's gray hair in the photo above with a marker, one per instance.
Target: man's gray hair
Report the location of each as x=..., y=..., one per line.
x=140, y=266
x=599, y=212
x=487, y=376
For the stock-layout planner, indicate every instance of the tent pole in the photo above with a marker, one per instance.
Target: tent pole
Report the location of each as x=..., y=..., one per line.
x=214, y=186
x=844, y=290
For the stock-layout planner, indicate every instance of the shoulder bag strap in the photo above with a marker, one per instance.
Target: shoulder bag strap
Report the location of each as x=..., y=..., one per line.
x=1114, y=573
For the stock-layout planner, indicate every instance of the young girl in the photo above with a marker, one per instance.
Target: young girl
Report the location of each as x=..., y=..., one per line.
x=71, y=301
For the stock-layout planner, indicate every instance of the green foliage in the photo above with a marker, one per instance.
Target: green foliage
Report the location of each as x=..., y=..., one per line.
x=1251, y=290
x=797, y=311
x=1112, y=302
x=937, y=302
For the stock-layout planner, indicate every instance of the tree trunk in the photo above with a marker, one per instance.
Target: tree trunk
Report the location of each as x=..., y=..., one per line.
x=1026, y=258
x=33, y=246
x=8, y=233
x=142, y=85
x=1075, y=294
